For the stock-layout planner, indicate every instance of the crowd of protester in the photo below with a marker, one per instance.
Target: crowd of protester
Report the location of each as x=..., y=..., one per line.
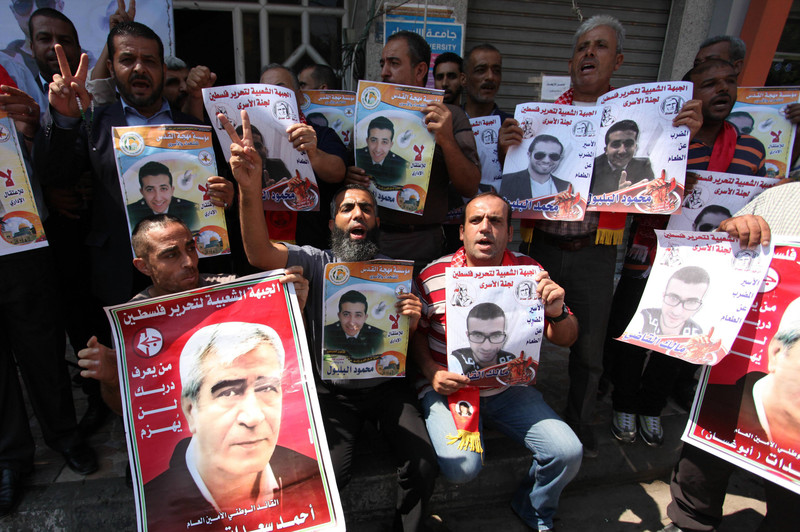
x=64, y=114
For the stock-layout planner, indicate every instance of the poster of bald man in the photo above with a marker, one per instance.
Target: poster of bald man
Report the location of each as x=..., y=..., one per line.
x=716, y=196
x=221, y=411
x=685, y=311
x=745, y=410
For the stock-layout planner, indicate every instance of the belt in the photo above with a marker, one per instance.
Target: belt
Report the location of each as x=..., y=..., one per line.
x=565, y=243
x=391, y=228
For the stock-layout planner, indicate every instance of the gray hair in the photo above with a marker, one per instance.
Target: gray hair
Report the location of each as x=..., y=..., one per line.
x=173, y=63
x=789, y=329
x=738, y=48
x=597, y=21
x=273, y=66
x=227, y=341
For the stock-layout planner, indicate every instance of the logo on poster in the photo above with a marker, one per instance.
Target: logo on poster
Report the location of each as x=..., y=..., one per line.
x=5, y=134
x=370, y=98
x=131, y=144
x=339, y=274
x=205, y=158
x=148, y=342
x=771, y=280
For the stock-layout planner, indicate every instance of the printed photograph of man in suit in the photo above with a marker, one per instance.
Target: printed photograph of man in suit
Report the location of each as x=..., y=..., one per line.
x=617, y=168
x=377, y=158
x=537, y=181
x=352, y=332
x=157, y=190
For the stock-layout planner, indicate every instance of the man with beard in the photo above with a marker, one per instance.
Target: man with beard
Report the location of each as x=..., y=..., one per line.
x=346, y=404
x=447, y=72
x=79, y=139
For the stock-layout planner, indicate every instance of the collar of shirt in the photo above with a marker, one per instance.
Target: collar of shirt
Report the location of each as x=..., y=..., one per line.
x=43, y=83
x=135, y=118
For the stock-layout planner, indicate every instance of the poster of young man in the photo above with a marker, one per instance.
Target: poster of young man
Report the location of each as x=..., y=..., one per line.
x=221, y=411
x=163, y=169
x=20, y=224
x=745, y=410
x=333, y=109
x=287, y=178
x=640, y=164
x=716, y=196
x=760, y=112
x=685, y=311
x=486, y=129
x=364, y=336
x=392, y=143
x=495, y=324
x=548, y=175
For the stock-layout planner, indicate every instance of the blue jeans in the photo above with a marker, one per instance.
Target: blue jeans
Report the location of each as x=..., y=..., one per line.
x=521, y=414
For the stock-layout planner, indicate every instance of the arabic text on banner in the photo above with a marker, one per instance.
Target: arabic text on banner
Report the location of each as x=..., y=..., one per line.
x=145, y=153
x=243, y=419
x=759, y=112
x=333, y=109
x=697, y=295
x=397, y=151
x=500, y=307
x=486, y=129
x=735, y=413
x=288, y=182
x=20, y=224
x=660, y=152
x=364, y=335
x=716, y=196
x=548, y=175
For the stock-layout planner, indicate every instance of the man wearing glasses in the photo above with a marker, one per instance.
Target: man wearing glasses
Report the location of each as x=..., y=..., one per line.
x=486, y=331
x=537, y=181
x=617, y=168
x=683, y=297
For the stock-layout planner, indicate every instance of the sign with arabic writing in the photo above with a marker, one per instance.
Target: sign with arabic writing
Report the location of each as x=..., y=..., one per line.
x=333, y=109
x=364, y=335
x=486, y=130
x=164, y=169
x=740, y=412
x=685, y=311
x=393, y=145
x=287, y=177
x=221, y=411
x=20, y=224
x=495, y=324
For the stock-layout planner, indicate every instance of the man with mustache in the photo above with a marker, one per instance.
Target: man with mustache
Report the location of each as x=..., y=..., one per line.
x=483, y=72
x=346, y=405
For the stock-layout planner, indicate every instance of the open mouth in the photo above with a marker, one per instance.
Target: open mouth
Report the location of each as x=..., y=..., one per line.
x=587, y=66
x=358, y=232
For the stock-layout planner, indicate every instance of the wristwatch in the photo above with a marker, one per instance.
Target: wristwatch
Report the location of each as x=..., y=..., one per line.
x=560, y=317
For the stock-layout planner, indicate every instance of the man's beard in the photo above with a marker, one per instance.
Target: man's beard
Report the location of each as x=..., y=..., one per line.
x=348, y=250
x=140, y=101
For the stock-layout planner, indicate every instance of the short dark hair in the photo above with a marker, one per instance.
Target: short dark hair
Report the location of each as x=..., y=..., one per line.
x=273, y=66
x=487, y=194
x=49, y=12
x=623, y=125
x=738, y=49
x=345, y=188
x=320, y=118
x=691, y=275
x=712, y=209
x=139, y=241
x=253, y=129
x=486, y=47
x=353, y=296
x=449, y=57
x=133, y=29
x=419, y=51
x=380, y=122
x=485, y=311
x=323, y=75
x=154, y=168
x=544, y=138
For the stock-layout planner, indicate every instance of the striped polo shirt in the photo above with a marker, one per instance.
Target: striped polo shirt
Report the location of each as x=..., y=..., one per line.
x=748, y=159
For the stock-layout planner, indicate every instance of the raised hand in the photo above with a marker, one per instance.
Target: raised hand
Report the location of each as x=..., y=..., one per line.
x=121, y=14
x=67, y=94
x=245, y=160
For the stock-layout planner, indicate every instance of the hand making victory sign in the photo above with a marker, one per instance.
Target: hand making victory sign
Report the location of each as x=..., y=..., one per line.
x=67, y=89
x=245, y=161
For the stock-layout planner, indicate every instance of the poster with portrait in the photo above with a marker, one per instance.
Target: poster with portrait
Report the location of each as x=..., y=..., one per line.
x=164, y=169
x=697, y=295
x=288, y=182
x=640, y=164
x=364, y=336
x=333, y=109
x=716, y=196
x=392, y=143
x=548, y=175
x=495, y=324
x=20, y=224
x=486, y=130
x=743, y=410
x=760, y=112
x=221, y=413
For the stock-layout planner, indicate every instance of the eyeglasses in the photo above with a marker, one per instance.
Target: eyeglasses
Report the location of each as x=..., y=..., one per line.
x=689, y=304
x=629, y=143
x=706, y=227
x=539, y=155
x=494, y=338
x=23, y=7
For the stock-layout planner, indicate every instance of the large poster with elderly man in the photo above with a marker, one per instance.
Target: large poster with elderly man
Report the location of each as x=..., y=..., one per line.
x=221, y=413
x=746, y=410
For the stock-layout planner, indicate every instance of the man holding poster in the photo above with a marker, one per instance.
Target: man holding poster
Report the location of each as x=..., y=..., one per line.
x=518, y=411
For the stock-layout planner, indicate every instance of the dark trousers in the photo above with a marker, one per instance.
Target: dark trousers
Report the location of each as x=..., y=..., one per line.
x=587, y=276
x=393, y=408
x=33, y=336
x=698, y=487
x=638, y=389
